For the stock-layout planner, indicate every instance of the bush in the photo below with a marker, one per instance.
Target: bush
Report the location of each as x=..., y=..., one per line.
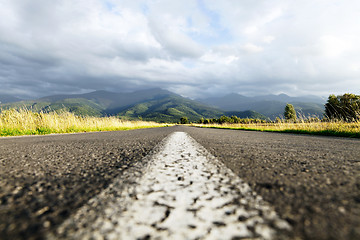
x=184, y=120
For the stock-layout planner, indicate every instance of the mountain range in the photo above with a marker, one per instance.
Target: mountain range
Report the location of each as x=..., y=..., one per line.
x=165, y=106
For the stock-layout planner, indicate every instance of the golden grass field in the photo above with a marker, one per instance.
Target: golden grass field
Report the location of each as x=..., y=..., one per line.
x=25, y=122
x=332, y=128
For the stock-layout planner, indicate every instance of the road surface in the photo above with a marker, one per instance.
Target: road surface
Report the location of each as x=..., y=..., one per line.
x=310, y=183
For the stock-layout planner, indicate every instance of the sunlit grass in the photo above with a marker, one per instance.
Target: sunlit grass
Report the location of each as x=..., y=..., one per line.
x=333, y=128
x=24, y=122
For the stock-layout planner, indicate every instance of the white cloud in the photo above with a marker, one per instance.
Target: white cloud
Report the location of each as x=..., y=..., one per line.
x=334, y=46
x=268, y=39
x=251, y=48
x=176, y=42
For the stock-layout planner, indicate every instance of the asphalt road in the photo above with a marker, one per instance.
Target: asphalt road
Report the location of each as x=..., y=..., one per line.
x=45, y=178
x=312, y=182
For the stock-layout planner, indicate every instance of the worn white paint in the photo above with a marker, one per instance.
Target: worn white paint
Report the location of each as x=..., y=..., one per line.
x=185, y=193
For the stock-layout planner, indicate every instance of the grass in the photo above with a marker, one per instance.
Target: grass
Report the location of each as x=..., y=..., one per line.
x=25, y=122
x=333, y=128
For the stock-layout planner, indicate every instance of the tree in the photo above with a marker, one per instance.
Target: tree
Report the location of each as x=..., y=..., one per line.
x=345, y=107
x=184, y=120
x=332, y=107
x=290, y=113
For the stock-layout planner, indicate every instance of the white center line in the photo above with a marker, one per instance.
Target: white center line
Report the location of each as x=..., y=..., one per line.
x=185, y=193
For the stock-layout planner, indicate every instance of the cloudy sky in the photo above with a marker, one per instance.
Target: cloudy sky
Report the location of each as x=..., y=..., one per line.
x=192, y=47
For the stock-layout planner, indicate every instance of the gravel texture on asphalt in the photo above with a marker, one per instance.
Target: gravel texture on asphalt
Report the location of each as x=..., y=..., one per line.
x=313, y=182
x=43, y=179
x=184, y=193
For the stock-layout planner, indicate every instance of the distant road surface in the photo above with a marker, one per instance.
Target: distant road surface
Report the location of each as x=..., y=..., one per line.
x=184, y=182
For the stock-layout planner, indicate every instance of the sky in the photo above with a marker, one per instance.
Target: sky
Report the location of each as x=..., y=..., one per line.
x=196, y=48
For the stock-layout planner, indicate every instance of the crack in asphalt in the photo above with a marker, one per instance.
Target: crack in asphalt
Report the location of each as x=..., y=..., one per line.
x=184, y=193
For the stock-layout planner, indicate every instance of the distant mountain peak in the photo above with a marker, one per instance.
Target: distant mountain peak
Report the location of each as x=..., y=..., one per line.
x=6, y=98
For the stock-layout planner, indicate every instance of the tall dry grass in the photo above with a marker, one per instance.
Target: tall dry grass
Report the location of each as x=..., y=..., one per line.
x=25, y=122
x=330, y=128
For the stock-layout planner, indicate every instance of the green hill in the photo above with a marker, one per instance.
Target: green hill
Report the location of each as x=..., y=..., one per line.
x=170, y=109
x=98, y=103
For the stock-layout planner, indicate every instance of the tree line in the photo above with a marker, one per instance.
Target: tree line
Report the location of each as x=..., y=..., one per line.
x=224, y=119
x=232, y=119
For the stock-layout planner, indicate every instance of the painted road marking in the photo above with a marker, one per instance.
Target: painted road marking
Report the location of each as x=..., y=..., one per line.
x=184, y=193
